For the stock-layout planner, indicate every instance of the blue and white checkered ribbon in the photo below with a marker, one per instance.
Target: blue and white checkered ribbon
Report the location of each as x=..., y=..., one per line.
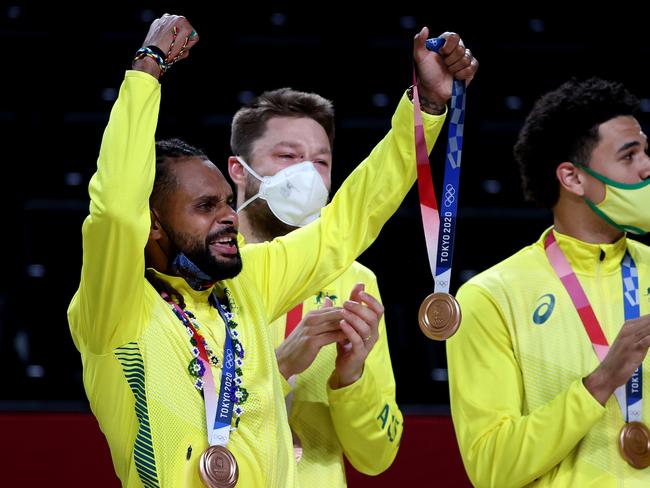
x=442, y=243
x=634, y=386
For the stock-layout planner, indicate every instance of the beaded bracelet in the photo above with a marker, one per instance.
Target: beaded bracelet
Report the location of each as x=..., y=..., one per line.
x=154, y=53
x=158, y=51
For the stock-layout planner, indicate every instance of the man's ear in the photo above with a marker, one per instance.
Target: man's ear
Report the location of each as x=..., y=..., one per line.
x=156, y=231
x=236, y=171
x=571, y=178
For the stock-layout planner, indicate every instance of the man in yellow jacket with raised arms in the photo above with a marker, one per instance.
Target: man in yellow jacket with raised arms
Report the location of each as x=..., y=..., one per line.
x=180, y=368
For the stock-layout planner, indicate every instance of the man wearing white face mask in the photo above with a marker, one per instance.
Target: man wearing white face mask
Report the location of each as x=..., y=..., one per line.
x=557, y=334
x=295, y=194
x=343, y=398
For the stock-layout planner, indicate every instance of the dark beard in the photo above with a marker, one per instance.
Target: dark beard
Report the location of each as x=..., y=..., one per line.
x=199, y=253
x=264, y=224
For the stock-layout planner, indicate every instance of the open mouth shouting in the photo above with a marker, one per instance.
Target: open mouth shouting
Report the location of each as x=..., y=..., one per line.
x=225, y=244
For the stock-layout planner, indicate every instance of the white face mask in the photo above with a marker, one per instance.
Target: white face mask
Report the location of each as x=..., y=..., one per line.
x=295, y=194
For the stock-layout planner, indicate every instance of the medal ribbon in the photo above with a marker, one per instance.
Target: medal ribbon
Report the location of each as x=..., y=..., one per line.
x=631, y=402
x=218, y=412
x=440, y=249
x=633, y=387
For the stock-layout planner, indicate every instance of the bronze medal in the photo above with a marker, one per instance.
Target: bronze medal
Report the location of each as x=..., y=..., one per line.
x=439, y=316
x=635, y=444
x=218, y=468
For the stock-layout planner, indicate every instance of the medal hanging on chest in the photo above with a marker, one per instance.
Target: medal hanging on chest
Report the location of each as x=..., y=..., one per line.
x=217, y=466
x=634, y=438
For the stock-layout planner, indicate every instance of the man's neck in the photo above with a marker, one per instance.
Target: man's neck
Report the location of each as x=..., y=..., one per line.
x=155, y=257
x=246, y=230
x=574, y=218
x=251, y=234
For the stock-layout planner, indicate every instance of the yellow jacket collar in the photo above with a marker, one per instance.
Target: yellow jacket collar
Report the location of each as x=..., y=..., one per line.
x=180, y=285
x=587, y=258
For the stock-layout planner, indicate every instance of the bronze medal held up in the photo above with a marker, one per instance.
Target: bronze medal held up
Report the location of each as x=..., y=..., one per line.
x=439, y=316
x=218, y=468
x=634, y=443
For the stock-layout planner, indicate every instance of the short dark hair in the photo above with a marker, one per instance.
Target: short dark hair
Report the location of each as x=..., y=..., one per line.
x=563, y=126
x=167, y=151
x=249, y=123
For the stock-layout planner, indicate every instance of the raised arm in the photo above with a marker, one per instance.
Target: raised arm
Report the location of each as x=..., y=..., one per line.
x=310, y=257
x=110, y=295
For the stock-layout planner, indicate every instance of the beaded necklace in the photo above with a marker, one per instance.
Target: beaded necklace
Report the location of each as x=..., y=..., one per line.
x=203, y=355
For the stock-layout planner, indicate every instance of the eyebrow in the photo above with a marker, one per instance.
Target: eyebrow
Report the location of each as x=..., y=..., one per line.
x=322, y=150
x=214, y=198
x=628, y=145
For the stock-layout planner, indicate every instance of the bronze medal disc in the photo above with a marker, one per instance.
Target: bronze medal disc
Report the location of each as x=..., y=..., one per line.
x=218, y=468
x=635, y=444
x=439, y=316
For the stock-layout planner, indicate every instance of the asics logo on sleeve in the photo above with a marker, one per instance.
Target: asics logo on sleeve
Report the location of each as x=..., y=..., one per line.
x=544, y=309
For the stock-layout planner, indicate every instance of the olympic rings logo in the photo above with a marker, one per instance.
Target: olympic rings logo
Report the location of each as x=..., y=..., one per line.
x=229, y=360
x=450, y=195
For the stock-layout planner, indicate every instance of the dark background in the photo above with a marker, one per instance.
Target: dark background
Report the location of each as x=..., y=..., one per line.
x=61, y=69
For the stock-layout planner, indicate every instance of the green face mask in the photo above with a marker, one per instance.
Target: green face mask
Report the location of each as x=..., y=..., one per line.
x=626, y=206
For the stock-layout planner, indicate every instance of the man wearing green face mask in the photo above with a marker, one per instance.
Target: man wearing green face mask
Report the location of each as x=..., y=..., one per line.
x=558, y=333
x=625, y=205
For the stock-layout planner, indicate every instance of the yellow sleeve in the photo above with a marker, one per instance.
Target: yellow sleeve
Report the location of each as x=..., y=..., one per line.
x=500, y=446
x=286, y=386
x=298, y=264
x=366, y=418
x=109, y=301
